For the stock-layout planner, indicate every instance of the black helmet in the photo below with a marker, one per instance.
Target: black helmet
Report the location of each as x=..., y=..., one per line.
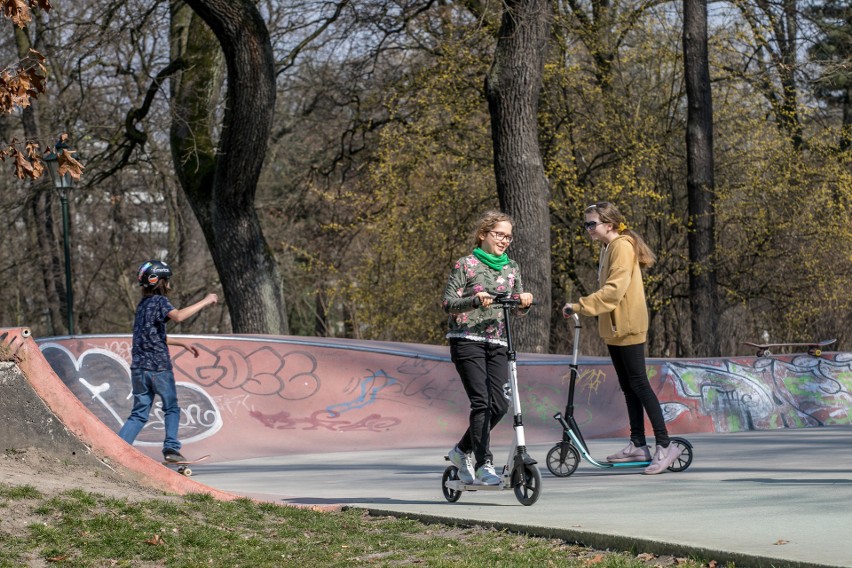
x=152, y=272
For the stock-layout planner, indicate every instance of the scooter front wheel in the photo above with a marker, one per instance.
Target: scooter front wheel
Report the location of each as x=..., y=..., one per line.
x=563, y=459
x=450, y=474
x=685, y=459
x=528, y=489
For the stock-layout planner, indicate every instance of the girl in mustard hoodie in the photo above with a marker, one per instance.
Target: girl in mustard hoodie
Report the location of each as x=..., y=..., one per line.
x=622, y=315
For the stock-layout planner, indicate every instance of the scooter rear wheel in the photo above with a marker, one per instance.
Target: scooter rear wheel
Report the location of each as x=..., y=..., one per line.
x=563, y=459
x=450, y=474
x=685, y=459
x=528, y=489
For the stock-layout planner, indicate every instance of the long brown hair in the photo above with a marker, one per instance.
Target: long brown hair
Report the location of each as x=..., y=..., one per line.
x=609, y=213
x=487, y=223
x=161, y=288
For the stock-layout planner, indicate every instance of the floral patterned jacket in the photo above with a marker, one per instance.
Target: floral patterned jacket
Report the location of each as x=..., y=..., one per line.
x=468, y=277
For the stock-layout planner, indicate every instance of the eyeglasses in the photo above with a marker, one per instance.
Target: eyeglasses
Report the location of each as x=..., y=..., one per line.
x=501, y=236
x=590, y=225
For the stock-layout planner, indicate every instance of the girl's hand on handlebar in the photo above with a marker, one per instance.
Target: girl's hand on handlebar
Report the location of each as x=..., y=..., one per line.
x=526, y=299
x=485, y=299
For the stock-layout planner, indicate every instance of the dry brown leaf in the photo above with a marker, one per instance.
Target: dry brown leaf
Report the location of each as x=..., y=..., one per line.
x=646, y=556
x=23, y=167
x=68, y=165
x=155, y=540
x=781, y=541
x=18, y=11
x=596, y=559
x=712, y=564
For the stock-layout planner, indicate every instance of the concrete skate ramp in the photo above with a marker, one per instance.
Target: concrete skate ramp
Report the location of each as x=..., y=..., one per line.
x=39, y=411
x=255, y=396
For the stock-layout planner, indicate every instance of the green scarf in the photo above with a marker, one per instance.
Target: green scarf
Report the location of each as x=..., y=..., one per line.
x=492, y=260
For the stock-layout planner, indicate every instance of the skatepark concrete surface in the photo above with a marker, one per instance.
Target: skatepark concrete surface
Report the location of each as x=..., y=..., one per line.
x=777, y=493
x=769, y=498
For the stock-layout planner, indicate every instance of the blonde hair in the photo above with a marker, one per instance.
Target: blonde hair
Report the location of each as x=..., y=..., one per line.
x=609, y=213
x=487, y=223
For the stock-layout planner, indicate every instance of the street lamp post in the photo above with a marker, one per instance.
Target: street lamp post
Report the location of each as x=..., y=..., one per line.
x=63, y=183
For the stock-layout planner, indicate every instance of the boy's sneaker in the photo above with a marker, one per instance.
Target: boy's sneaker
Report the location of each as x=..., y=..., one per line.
x=173, y=456
x=462, y=461
x=663, y=458
x=486, y=475
x=630, y=453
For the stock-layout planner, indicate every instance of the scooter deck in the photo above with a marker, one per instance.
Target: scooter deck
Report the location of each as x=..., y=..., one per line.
x=607, y=464
x=458, y=485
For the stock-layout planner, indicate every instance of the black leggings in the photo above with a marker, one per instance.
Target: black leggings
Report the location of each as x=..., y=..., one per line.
x=629, y=363
x=484, y=370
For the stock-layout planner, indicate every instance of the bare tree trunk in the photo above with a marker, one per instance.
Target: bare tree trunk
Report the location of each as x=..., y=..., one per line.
x=789, y=47
x=846, y=129
x=221, y=183
x=699, y=181
x=512, y=87
x=49, y=263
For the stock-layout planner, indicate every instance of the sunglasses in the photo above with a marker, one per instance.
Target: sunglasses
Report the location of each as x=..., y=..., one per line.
x=590, y=225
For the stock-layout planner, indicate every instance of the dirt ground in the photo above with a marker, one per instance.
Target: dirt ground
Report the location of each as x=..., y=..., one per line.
x=51, y=476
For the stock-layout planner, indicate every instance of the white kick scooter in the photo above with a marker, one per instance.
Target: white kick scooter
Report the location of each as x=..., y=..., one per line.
x=520, y=472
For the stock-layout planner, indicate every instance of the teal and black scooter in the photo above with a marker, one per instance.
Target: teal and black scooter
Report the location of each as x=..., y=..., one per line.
x=564, y=457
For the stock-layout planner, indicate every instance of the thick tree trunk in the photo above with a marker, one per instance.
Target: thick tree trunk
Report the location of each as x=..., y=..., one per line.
x=512, y=87
x=699, y=181
x=221, y=183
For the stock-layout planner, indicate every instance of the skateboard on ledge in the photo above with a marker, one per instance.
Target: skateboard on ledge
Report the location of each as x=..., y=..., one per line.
x=814, y=348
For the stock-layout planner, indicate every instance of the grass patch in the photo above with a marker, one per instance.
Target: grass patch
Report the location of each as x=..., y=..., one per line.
x=82, y=529
x=19, y=492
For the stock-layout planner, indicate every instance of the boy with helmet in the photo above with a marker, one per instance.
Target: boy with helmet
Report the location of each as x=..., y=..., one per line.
x=151, y=366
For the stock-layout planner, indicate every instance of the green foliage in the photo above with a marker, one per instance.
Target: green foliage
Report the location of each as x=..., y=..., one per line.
x=609, y=134
x=833, y=48
x=786, y=246
x=431, y=180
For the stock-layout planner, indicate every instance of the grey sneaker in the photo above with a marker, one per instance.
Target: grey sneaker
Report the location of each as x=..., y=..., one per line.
x=630, y=453
x=663, y=458
x=173, y=456
x=462, y=461
x=486, y=475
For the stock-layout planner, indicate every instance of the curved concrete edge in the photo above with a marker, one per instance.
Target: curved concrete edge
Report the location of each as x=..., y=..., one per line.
x=105, y=444
x=602, y=541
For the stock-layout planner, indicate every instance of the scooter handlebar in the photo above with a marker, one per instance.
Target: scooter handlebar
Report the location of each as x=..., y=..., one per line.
x=510, y=300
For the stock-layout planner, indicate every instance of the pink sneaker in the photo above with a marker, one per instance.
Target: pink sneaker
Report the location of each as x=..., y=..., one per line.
x=663, y=458
x=630, y=453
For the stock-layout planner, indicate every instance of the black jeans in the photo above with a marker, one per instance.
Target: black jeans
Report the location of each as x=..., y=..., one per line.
x=629, y=363
x=483, y=368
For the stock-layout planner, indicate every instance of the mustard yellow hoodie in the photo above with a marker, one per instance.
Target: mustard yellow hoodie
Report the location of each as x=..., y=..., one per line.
x=620, y=303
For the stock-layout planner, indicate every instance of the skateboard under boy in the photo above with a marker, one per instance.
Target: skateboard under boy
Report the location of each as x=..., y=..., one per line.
x=814, y=347
x=183, y=466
